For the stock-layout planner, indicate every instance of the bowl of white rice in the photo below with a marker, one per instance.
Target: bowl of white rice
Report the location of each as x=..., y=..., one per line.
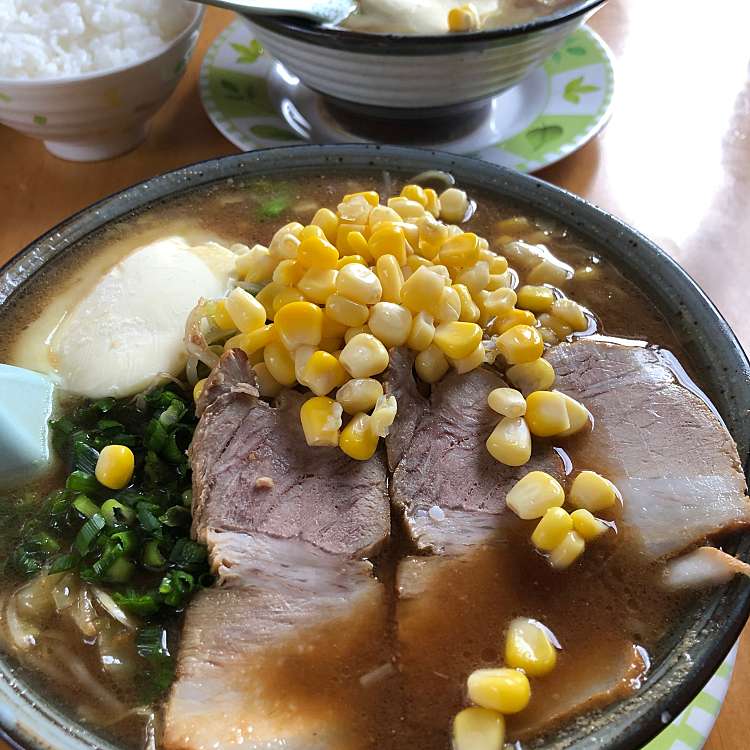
x=85, y=76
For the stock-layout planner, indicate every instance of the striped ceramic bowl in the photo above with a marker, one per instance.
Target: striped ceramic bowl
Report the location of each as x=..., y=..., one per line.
x=410, y=75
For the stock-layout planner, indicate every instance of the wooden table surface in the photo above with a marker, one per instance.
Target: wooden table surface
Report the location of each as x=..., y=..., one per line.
x=674, y=161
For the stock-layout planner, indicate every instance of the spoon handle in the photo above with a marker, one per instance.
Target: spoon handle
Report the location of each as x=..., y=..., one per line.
x=300, y=8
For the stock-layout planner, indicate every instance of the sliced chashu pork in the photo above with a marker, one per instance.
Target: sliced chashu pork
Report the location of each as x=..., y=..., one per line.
x=267, y=656
x=438, y=457
x=670, y=456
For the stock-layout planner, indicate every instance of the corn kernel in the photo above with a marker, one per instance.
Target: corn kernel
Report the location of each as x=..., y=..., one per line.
x=405, y=208
x=331, y=345
x=528, y=647
x=311, y=231
x=346, y=312
x=268, y=386
x=414, y=193
x=478, y=729
x=350, y=239
x=359, y=394
x=299, y=324
x=458, y=339
x=470, y=361
x=355, y=208
x=469, y=309
x=388, y=241
x=315, y=252
x=510, y=442
x=554, y=324
x=359, y=284
x=512, y=318
x=504, y=690
x=498, y=264
x=284, y=297
x=364, y=356
x=524, y=255
x=507, y=401
x=454, y=204
x=381, y=214
x=571, y=313
x=528, y=377
x=449, y=306
x=328, y=222
x=352, y=332
x=266, y=295
x=219, y=315
x=288, y=273
x=422, y=332
x=322, y=373
x=568, y=551
x=515, y=226
x=520, y=344
x=318, y=284
x=551, y=530
x=443, y=272
x=588, y=525
x=497, y=303
x=286, y=241
x=422, y=290
x=370, y=196
x=301, y=356
x=546, y=413
x=432, y=202
x=198, y=388
x=357, y=440
x=114, y=467
x=279, y=363
x=347, y=260
x=579, y=416
x=463, y=18
x=593, y=492
x=535, y=298
x=461, y=251
x=550, y=271
x=431, y=364
x=391, y=277
x=532, y=495
x=321, y=421
x=383, y=415
x=475, y=277
x=390, y=322
x=415, y=261
x=331, y=329
x=256, y=265
x=254, y=341
x=548, y=336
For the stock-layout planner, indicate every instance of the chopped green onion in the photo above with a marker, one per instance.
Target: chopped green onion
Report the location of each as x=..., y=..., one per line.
x=186, y=552
x=143, y=605
x=63, y=562
x=173, y=414
x=177, y=515
x=117, y=514
x=175, y=587
x=152, y=556
x=85, y=457
x=120, y=571
x=187, y=498
x=88, y=533
x=147, y=519
x=127, y=541
x=81, y=481
x=85, y=506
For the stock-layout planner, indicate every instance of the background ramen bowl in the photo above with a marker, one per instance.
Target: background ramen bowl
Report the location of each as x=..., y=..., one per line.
x=98, y=115
x=688, y=656
x=405, y=76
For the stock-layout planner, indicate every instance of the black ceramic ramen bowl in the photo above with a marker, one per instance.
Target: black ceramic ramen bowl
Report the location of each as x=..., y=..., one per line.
x=691, y=654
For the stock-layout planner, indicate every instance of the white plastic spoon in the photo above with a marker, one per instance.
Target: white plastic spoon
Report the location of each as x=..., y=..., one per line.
x=322, y=11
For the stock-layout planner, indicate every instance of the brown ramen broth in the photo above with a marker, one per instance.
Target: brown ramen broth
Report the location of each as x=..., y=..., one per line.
x=607, y=611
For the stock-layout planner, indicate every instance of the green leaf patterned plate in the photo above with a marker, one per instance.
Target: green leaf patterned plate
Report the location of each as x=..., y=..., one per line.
x=255, y=102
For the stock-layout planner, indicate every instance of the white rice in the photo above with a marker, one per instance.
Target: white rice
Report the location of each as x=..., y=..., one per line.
x=51, y=39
